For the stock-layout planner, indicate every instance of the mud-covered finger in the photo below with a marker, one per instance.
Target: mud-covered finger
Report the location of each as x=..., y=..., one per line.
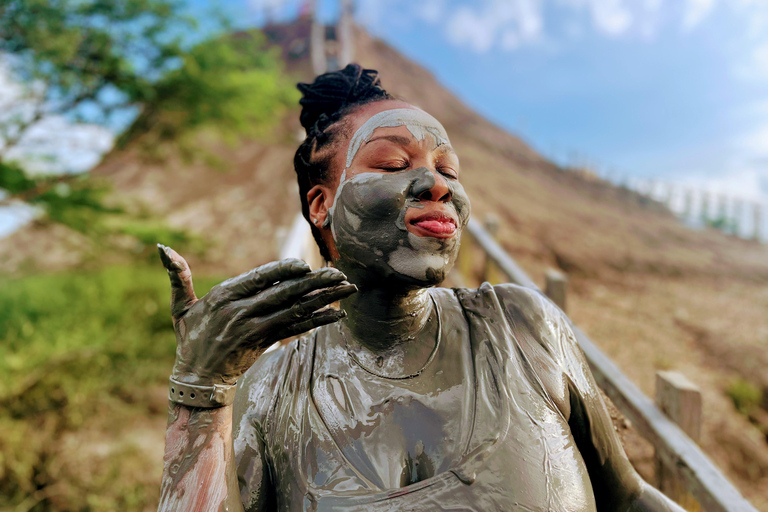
x=286, y=293
x=182, y=288
x=262, y=277
x=320, y=318
x=324, y=298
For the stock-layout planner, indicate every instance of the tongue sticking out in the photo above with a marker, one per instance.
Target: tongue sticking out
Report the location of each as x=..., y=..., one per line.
x=437, y=226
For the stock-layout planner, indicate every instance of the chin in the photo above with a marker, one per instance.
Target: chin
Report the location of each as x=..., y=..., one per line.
x=425, y=261
x=389, y=255
x=426, y=278
x=404, y=268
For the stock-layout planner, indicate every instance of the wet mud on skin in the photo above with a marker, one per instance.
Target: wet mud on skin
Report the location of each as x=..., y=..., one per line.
x=198, y=438
x=367, y=218
x=369, y=229
x=392, y=266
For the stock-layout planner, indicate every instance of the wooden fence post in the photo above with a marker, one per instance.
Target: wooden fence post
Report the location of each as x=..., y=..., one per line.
x=669, y=192
x=556, y=287
x=680, y=400
x=722, y=208
x=705, y=207
x=688, y=205
x=738, y=216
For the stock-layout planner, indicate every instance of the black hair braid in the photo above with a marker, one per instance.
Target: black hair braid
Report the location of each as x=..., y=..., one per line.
x=324, y=103
x=331, y=92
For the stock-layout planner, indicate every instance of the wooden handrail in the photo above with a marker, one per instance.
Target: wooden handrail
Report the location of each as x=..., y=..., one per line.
x=298, y=240
x=499, y=256
x=709, y=486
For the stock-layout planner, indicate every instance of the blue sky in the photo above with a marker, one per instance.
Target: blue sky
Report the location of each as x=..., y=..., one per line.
x=671, y=89
x=675, y=90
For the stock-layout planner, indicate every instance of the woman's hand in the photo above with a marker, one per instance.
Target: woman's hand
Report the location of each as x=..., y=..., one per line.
x=221, y=335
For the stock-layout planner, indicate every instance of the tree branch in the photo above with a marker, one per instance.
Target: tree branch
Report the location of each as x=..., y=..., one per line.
x=37, y=190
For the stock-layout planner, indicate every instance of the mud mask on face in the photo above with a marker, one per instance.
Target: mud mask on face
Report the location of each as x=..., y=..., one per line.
x=367, y=219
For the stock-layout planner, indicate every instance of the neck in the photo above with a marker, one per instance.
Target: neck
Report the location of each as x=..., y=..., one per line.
x=382, y=318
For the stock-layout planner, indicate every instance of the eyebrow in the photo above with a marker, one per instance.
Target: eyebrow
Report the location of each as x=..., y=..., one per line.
x=397, y=139
x=406, y=141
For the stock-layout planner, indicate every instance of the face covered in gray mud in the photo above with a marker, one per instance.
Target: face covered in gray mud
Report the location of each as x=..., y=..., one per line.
x=399, y=209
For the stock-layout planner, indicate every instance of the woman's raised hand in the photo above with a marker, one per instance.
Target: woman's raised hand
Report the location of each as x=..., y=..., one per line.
x=220, y=335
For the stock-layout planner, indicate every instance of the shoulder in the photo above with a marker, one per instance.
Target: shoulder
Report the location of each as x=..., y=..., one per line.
x=532, y=324
x=506, y=294
x=529, y=308
x=525, y=309
x=525, y=301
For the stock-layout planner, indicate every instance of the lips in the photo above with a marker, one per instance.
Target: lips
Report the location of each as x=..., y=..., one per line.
x=435, y=224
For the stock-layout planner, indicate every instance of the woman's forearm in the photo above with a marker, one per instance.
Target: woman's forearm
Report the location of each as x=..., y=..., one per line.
x=218, y=338
x=199, y=471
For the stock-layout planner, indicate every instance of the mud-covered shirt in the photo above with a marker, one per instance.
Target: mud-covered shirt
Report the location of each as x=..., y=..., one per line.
x=528, y=423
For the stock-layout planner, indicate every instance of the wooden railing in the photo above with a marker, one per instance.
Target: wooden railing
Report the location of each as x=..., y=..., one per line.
x=679, y=457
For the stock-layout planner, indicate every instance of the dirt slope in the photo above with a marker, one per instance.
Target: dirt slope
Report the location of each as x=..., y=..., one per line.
x=652, y=293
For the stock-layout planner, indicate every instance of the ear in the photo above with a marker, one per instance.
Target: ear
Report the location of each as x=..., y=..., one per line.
x=319, y=199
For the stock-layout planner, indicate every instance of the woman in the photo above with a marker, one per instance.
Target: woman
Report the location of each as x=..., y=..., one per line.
x=409, y=397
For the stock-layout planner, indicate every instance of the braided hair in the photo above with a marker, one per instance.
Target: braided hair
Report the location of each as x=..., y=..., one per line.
x=324, y=103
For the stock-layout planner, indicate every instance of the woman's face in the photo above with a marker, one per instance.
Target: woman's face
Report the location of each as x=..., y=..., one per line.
x=397, y=209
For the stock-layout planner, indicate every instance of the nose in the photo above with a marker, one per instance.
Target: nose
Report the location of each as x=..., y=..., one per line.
x=431, y=186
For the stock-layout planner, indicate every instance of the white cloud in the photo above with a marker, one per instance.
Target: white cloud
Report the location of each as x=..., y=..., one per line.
x=431, y=11
x=649, y=19
x=529, y=18
x=482, y=25
x=695, y=12
x=760, y=58
x=754, y=143
x=751, y=64
x=508, y=25
x=54, y=145
x=509, y=40
x=466, y=28
x=267, y=5
x=497, y=22
x=612, y=17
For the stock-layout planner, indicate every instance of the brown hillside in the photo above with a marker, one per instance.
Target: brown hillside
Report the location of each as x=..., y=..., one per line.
x=652, y=293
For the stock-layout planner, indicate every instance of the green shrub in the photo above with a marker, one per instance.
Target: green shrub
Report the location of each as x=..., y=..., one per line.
x=745, y=395
x=78, y=353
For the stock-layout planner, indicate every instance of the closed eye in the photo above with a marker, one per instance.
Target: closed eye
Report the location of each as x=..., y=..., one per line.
x=394, y=166
x=448, y=172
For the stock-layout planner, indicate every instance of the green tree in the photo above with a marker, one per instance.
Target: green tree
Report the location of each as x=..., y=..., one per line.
x=230, y=85
x=86, y=58
x=103, y=61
